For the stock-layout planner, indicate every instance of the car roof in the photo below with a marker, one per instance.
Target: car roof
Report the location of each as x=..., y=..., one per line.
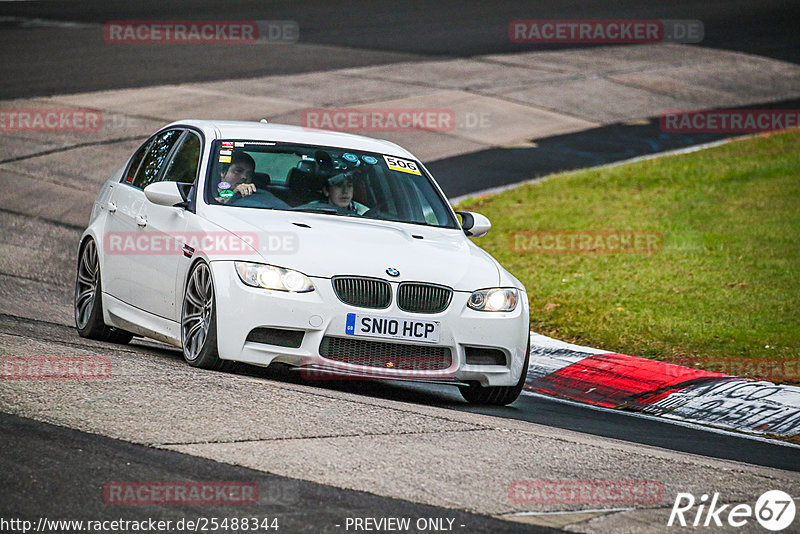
x=263, y=131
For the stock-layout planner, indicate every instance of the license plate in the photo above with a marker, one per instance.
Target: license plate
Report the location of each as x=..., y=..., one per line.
x=392, y=327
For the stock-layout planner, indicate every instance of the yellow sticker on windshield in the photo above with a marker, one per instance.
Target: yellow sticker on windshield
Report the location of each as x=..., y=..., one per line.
x=224, y=159
x=402, y=165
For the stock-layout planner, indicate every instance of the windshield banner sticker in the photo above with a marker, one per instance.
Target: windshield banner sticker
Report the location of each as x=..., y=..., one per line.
x=402, y=165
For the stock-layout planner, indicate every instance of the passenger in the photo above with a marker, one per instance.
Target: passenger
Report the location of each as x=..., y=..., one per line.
x=338, y=191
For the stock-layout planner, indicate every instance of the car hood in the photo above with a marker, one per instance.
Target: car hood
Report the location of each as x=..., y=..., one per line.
x=326, y=245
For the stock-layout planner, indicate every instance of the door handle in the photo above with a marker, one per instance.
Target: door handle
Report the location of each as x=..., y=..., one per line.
x=112, y=208
x=141, y=221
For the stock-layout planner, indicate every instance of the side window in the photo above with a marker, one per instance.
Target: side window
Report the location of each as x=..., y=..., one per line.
x=135, y=161
x=183, y=166
x=159, y=150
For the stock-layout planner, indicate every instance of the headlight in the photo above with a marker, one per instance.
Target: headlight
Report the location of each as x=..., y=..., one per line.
x=271, y=277
x=495, y=300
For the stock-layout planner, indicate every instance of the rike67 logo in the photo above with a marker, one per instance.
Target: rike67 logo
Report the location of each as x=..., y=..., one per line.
x=774, y=510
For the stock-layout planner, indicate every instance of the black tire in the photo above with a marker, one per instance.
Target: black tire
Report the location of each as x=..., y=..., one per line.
x=498, y=395
x=88, y=300
x=199, y=321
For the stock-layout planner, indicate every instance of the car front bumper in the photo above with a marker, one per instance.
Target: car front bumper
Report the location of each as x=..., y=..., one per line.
x=320, y=313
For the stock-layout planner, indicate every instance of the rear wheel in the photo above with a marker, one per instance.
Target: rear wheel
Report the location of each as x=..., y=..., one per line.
x=497, y=395
x=88, y=301
x=199, y=321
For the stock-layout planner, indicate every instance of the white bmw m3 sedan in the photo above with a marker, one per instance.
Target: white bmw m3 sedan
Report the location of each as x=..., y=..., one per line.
x=335, y=254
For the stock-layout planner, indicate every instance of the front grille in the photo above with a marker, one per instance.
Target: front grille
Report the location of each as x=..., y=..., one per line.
x=385, y=355
x=417, y=297
x=277, y=336
x=484, y=356
x=363, y=292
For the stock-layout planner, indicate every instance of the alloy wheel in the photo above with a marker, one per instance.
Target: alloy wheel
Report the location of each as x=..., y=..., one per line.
x=198, y=305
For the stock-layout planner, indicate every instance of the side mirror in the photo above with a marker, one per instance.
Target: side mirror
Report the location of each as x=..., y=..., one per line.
x=165, y=194
x=474, y=224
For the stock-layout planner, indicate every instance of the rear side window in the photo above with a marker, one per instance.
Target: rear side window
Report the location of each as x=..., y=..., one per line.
x=136, y=160
x=183, y=166
x=154, y=160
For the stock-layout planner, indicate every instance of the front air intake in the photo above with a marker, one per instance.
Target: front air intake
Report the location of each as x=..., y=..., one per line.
x=280, y=337
x=484, y=356
x=401, y=356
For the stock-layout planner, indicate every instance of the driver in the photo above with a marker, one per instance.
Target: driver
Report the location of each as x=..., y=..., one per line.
x=338, y=191
x=236, y=187
x=237, y=176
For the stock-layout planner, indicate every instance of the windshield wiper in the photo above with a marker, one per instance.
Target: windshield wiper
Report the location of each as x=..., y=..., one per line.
x=421, y=223
x=316, y=210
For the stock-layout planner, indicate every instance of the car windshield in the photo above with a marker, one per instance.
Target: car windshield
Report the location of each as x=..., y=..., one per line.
x=334, y=181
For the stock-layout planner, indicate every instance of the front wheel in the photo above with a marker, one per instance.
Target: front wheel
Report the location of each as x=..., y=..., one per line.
x=88, y=302
x=199, y=321
x=497, y=395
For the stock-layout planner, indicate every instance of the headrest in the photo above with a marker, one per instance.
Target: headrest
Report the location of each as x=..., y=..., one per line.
x=261, y=180
x=299, y=179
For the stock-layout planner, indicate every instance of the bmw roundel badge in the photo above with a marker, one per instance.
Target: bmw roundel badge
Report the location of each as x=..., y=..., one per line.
x=391, y=271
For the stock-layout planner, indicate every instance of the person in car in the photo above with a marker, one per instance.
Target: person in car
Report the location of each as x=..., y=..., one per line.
x=338, y=191
x=239, y=177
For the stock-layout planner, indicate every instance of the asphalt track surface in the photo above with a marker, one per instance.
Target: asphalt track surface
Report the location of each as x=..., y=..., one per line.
x=573, y=416
x=467, y=173
x=76, y=466
x=50, y=468
x=47, y=59
x=602, y=422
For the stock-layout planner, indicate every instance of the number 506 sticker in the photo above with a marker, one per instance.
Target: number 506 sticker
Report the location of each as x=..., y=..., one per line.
x=402, y=165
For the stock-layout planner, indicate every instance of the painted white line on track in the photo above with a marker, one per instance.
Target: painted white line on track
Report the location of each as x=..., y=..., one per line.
x=26, y=22
x=565, y=512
